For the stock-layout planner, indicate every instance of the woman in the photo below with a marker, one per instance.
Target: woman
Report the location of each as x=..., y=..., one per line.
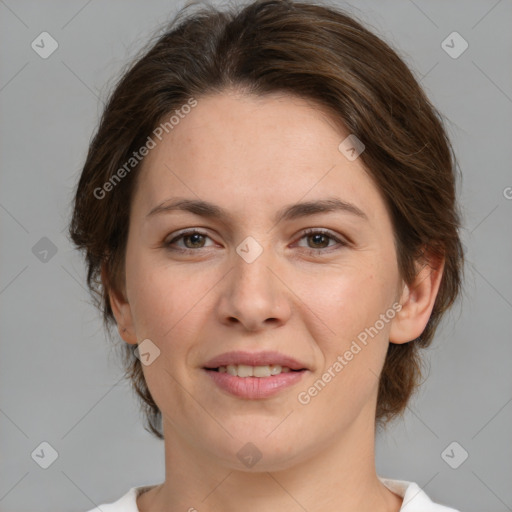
x=268, y=214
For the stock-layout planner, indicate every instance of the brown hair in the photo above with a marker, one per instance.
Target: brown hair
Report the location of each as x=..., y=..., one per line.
x=318, y=53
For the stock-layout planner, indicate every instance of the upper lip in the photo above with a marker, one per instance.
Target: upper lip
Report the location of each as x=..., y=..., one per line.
x=255, y=359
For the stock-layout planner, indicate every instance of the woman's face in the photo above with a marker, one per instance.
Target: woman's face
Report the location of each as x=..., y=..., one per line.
x=252, y=280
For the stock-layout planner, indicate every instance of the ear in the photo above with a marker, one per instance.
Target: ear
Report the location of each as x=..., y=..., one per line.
x=417, y=302
x=121, y=309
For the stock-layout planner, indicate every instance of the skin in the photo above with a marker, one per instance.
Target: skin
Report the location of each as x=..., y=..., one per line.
x=252, y=156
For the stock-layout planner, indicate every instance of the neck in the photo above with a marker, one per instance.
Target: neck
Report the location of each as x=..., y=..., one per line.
x=340, y=477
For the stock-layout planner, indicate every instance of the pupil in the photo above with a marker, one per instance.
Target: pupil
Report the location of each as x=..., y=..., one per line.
x=194, y=237
x=317, y=236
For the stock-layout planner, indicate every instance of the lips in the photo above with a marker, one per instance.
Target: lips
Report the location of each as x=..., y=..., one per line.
x=254, y=359
x=285, y=372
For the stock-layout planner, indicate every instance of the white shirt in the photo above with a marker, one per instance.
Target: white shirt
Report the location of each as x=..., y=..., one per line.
x=414, y=499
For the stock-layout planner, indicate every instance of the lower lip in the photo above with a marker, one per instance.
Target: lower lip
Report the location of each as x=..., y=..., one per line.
x=253, y=388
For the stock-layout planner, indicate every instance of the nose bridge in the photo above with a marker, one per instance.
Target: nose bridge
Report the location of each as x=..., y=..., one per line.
x=254, y=293
x=252, y=261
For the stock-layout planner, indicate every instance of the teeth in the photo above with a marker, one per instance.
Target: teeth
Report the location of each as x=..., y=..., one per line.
x=264, y=371
x=244, y=370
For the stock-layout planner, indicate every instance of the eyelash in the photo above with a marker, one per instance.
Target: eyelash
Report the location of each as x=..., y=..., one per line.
x=307, y=232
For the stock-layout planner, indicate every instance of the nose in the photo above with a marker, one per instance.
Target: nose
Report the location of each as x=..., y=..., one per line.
x=254, y=295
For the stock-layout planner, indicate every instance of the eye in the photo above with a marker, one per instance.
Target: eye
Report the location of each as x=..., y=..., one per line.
x=319, y=238
x=196, y=240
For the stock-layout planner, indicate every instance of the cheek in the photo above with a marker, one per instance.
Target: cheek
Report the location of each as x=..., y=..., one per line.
x=347, y=300
x=163, y=298
x=350, y=303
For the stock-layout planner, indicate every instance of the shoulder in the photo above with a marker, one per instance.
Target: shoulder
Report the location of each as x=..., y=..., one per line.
x=126, y=503
x=414, y=497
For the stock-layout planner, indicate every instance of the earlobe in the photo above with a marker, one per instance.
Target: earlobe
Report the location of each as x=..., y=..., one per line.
x=121, y=310
x=417, y=300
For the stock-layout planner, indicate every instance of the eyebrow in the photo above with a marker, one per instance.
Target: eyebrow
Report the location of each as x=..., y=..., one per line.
x=290, y=212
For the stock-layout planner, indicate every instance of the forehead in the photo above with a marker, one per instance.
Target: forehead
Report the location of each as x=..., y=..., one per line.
x=234, y=150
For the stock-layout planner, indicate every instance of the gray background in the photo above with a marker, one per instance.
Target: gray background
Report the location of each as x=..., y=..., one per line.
x=59, y=379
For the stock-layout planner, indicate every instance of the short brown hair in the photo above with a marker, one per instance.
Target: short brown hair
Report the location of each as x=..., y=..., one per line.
x=318, y=53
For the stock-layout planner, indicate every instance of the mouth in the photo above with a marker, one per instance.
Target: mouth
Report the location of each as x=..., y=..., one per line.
x=256, y=375
x=244, y=370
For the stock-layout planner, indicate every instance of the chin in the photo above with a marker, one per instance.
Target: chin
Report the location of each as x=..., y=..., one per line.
x=260, y=452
